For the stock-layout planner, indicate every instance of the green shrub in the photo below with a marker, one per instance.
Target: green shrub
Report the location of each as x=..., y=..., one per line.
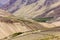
x=16, y=34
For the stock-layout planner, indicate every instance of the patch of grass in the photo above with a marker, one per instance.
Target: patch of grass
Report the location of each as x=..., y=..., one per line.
x=42, y=19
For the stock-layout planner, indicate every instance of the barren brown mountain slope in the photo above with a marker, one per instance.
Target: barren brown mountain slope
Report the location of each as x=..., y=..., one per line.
x=9, y=24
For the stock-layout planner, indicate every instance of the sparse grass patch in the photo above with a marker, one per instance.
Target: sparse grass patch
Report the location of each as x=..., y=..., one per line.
x=16, y=34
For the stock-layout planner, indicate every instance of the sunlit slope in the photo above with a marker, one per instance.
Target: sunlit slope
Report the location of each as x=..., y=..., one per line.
x=52, y=34
x=9, y=24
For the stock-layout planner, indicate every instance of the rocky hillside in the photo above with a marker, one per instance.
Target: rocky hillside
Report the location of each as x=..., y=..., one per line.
x=39, y=8
x=18, y=15
x=9, y=24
